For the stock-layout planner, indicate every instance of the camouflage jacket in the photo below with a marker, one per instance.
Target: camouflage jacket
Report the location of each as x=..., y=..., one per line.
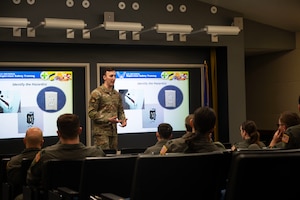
x=104, y=104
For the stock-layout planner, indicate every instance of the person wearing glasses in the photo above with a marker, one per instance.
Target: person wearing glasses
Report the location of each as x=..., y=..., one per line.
x=291, y=138
x=286, y=120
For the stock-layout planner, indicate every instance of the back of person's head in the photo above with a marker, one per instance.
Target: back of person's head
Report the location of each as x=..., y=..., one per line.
x=251, y=129
x=165, y=130
x=34, y=138
x=188, y=126
x=289, y=118
x=68, y=125
x=204, y=120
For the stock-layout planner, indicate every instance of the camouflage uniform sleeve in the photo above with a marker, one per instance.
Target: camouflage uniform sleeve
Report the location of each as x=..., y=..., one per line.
x=95, y=106
x=94, y=102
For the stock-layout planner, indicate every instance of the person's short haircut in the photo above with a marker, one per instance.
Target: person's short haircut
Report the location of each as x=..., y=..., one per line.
x=68, y=125
x=204, y=119
x=289, y=118
x=108, y=69
x=165, y=130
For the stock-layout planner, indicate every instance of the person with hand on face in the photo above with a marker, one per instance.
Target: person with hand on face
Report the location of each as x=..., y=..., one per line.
x=106, y=111
x=286, y=119
x=291, y=137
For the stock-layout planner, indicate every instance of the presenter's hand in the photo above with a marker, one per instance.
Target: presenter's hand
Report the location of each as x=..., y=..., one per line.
x=123, y=123
x=114, y=120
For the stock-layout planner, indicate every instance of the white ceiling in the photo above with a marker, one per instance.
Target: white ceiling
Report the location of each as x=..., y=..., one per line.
x=283, y=14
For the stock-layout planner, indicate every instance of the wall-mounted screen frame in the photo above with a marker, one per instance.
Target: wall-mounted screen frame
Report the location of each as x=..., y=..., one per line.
x=156, y=93
x=36, y=93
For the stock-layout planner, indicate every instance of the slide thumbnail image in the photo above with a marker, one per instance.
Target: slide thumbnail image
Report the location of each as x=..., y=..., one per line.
x=29, y=117
x=10, y=101
x=153, y=115
x=132, y=99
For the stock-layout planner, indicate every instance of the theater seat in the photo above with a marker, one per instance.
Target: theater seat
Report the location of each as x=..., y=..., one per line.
x=177, y=176
x=56, y=173
x=264, y=174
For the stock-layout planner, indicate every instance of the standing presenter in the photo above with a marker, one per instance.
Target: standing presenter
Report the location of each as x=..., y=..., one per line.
x=106, y=112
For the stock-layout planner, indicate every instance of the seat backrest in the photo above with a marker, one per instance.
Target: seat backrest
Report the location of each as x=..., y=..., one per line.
x=61, y=173
x=110, y=151
x=25, y=164
x=178, y=176
x=107, y=174
x=4, y=158
x=5, y=189
x=264, y=175
x=133, y=151
x=3, y=173
x=17, y=187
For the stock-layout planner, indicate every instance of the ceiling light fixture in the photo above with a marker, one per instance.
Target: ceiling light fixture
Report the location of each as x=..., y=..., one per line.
x=69, y=24
x=15, y=23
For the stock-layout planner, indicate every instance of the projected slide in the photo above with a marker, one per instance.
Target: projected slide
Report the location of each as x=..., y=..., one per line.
x=152, y=97
x=33, y=98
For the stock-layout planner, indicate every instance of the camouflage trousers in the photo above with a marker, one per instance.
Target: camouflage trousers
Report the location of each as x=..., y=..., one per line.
x=106, y=142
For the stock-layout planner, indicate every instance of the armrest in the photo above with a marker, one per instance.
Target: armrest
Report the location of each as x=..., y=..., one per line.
x=67, y=191
x=64, y=193
x=29, y=193
x=111, y=196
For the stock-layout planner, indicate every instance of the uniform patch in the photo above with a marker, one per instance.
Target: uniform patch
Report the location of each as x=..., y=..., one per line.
x=163, y=150
x=37, y=157
x=285, y=138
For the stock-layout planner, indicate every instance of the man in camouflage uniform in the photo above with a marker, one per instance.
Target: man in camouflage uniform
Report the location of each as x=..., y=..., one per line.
x=106, y=111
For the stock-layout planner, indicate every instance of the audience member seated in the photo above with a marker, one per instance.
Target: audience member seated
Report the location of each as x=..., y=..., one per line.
x=291, y=137
x=163, y=134
x=199, y=140
x=69, y=147
x=250, y=137
x=33, y=142
x=188, y=123
x=286, y=119
x=180, y=142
